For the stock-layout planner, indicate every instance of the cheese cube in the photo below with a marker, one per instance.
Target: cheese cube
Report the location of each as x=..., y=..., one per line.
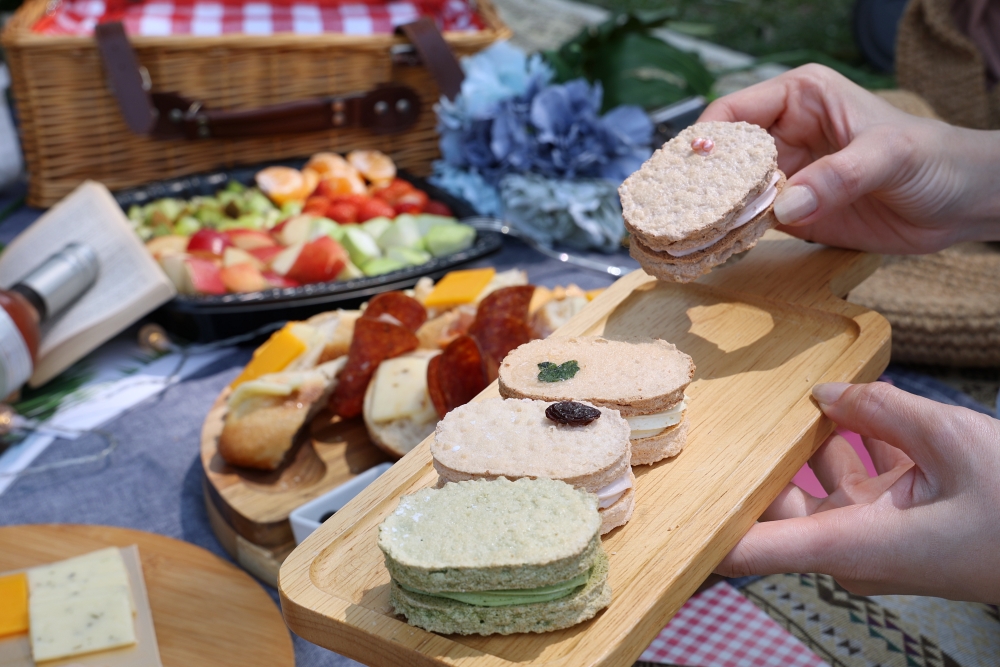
x=84, y=624
x=459, y=287
x=13, y=604
x=274, y=355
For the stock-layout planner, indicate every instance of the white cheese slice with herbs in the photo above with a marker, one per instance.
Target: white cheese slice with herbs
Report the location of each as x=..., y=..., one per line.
x=645, y=426
x=94, y=621
x=400, y=390
x=80, y=605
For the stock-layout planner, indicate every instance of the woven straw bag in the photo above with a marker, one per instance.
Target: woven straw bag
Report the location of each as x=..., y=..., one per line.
x=937, y=61
x=944, y=308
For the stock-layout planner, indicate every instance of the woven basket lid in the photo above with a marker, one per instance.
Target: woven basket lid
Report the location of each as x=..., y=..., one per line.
x=944, y=308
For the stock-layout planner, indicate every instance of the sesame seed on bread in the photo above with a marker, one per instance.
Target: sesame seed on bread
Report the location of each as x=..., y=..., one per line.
x=635, y=376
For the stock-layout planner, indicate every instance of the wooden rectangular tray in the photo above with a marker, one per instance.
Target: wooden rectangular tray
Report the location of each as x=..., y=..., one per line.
x=762, y=332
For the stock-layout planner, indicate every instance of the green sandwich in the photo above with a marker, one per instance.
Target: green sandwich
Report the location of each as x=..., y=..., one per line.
x=496, y=557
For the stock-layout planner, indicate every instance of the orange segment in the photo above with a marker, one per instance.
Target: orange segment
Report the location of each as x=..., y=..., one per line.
x=328, y=165
x=283, y=184
x=373, y=165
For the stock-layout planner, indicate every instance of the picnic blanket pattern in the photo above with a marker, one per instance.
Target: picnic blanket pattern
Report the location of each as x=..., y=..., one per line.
x=210, y=18
x=721, y=628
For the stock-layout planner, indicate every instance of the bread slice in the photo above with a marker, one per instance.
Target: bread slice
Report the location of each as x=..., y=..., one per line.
x=620, y=512
x=679, y=194
x=487, y=535
x=264, y=416
x=513, y=438
x=681, y=199
x=398, y=436
x=452, y=617
x=636, y=376
x=664, y=445
x=684, y=269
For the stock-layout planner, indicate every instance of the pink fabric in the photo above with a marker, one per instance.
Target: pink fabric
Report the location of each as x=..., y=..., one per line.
x=806, y=480
x=255, y=17
x=721, y=628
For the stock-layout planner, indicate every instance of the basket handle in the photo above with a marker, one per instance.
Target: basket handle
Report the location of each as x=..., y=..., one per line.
x=385, y=109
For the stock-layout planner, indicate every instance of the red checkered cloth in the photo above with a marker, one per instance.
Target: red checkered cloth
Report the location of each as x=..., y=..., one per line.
x=721, y=628
x=247, y=17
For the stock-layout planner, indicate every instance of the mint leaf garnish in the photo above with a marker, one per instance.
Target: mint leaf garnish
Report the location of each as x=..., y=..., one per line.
x=550, y=372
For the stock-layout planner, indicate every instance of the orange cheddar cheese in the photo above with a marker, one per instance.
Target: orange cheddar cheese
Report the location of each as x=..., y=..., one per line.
x=593, y=294
x=459, y=287
x=13, y=604
x=273, y=356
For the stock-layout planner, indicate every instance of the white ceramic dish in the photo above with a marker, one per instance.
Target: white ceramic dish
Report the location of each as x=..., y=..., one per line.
x=307, y=518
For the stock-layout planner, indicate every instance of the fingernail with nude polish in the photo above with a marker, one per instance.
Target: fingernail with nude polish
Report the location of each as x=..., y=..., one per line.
x=829, y=393
x=794, y=203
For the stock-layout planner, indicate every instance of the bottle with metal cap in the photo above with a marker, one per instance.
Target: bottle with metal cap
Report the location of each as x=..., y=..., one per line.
x=38, y=297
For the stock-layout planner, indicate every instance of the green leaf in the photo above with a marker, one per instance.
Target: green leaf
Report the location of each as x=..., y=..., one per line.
x=550, y=372
x=632, y=65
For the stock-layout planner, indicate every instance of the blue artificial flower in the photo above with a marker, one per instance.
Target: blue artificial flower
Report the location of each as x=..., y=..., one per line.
x=499, y=73
x=511, y=128
x=582, y=213
x=468, y=185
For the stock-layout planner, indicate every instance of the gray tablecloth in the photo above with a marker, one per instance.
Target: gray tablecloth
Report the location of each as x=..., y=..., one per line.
x=153, y=481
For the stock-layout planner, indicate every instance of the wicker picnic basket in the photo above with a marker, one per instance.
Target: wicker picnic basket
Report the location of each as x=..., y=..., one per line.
x=72, y=128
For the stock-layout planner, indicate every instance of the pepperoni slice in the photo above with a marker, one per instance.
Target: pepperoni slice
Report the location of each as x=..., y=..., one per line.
x=408, y=311
x=455, y=376
x=374, y=341
x=507, y=302
x=496, y=337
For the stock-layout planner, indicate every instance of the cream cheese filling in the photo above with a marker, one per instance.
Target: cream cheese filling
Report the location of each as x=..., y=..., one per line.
x=752, y=210
x=610, y=494
x=646, y=426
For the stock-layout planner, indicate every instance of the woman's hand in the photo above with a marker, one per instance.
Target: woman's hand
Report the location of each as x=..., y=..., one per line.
x=929, y=524
x=865, y=175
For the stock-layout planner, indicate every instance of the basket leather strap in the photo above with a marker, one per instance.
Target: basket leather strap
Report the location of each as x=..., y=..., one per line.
x=436, y=55
x=387, y=108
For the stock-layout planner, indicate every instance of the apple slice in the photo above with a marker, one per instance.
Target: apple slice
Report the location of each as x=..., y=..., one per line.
x=285, y=260
x=319, y=261
x=266, y=255
x=234, y=256
x=208, y=241
x=204, y=276
x=243, y=277
x=278, y=281
x=167, y=245
x=295, y=230
x=250, y=239
x=175, y=268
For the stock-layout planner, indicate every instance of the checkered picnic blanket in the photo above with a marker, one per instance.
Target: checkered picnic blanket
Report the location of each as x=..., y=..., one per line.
x=721, y=628
x=255, y=17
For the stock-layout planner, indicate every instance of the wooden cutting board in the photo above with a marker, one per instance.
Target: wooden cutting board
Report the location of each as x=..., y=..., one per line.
x=204, y=609
x=762, y=332
x=248, y=509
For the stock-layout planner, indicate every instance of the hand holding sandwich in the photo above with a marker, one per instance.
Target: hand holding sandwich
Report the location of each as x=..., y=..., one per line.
x=925, y=526
x=863, y=174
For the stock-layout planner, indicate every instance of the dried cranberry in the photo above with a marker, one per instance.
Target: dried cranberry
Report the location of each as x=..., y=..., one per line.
x=571, y=412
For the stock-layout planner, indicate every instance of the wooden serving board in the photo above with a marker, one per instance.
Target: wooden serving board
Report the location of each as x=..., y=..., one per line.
x=762, y=332
x=248, y=509
x=204, y=609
